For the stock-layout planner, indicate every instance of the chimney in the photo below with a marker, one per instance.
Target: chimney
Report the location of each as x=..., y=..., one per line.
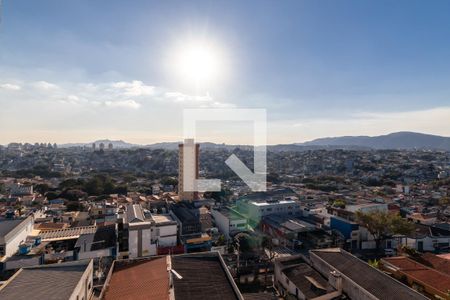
x=335, y=280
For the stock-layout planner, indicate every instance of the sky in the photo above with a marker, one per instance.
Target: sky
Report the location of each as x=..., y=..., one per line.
x=78, y=71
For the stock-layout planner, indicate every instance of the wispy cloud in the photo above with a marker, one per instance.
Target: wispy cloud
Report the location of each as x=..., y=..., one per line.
x=10, y=86
x=125, y=104
x=134, y=88
x=44, y=85
x=121, y=94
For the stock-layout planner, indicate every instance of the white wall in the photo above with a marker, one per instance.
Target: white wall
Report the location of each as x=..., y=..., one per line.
x=428, y=242
x=83, y=290
x=12, y=246
x=147, y=247
x=167, y=235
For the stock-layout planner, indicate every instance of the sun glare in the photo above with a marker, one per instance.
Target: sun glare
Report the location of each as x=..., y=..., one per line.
x=198, y=64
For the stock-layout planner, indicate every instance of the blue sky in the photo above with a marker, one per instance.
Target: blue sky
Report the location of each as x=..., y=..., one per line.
x=82, y=70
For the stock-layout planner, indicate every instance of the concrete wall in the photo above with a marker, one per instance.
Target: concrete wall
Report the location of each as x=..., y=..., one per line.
x=222, y=222
x=288, y=287
x=83, y=290
x=139, y=242
x=17, y=264
x=95, y=254
x=349, y=287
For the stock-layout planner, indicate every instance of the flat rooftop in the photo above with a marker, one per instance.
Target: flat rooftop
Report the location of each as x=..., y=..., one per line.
x=267, y=203
x=230, y=213
x=162, y=219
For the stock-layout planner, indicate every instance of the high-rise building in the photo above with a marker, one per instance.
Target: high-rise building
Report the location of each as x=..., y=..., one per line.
x=188, y=169
x=110, y=146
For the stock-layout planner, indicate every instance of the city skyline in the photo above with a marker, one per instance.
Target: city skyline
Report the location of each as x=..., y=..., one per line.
x=79, y=71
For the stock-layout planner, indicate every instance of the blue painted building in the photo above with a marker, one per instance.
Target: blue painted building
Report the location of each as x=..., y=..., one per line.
x=348, y=229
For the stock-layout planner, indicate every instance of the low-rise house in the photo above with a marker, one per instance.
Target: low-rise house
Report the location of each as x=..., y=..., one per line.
x=349, y=231
x=13, y=233
x=424, y=219
x=101, y=243
x=138, y=233
x=71, y=281
x=165, y=231
x=295, y=278
x=288, y=230
x=21, y=190
x=427, y=238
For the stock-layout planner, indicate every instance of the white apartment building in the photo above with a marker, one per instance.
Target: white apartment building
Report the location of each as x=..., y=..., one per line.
x=147, y=233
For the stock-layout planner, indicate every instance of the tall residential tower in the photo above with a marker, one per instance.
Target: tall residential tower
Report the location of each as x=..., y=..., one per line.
x=188, y=169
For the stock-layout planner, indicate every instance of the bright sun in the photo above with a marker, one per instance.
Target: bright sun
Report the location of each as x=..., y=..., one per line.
x=199, y=64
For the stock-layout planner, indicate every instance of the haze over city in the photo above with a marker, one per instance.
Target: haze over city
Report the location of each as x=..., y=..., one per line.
x=80, y=71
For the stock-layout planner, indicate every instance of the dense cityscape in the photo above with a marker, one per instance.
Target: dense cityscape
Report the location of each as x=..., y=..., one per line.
x=333, y=224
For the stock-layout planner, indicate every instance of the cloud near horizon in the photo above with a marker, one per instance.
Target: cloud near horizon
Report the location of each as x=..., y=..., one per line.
x=124, y=94
x=138, y=112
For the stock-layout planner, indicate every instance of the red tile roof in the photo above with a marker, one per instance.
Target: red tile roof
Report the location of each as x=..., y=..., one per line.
x=138, y=281
x=439, y=263
x=438, y=280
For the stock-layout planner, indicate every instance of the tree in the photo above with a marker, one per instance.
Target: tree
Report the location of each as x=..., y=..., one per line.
x=221, y=241
x=52, y=195
x=42, y=188
x=169, y=181
x=383, y=224
x=374, y=263
x=73, y=206
x=339, y=203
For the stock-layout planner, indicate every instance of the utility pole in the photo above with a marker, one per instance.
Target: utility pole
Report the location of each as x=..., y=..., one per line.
x=238, y=254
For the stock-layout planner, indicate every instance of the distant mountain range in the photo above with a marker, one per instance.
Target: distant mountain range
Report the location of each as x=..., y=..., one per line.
x=397, y=140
